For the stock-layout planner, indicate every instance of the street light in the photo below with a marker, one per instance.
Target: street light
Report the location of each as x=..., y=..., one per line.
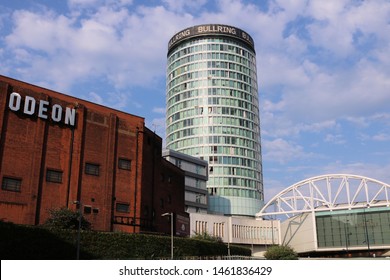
x=228, y=236
x=78, y=230
x=250, y=231
x=346, y=233
x=228, y=228
x=366, y=230
x=170, y=214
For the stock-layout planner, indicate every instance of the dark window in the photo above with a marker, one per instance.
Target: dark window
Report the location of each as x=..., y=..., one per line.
x=123, y=207
x=162, y=203
x=124, y=164
x=54, y=176
x=95, y=210
x=92, y=169
x=11, y=184
x=146, y=211
x=87, y=209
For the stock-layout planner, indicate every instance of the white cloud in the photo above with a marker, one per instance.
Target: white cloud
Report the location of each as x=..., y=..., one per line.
x=158, y=126
x=94, y=98
x=50, y=31
x=74, y=3
x=183, y=5
x=335, y=139
x=159, y=110
x=338, y=95
x=308, y=88
x=381, y=137
x=371, y=170
x=127, y=47
x=275, y=124
x=322, y=66
x=78, y=4
x=282, y=151
x=272, y=188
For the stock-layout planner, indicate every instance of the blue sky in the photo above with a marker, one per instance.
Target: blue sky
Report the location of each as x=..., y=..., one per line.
x=323, y=68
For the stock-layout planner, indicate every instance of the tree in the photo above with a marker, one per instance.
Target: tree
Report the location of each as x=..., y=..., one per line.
x=207, y=237
x=281, y=252
x=65, y=218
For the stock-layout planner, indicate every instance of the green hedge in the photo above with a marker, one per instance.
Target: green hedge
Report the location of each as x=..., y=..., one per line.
x=281, y=252
x=32, y=242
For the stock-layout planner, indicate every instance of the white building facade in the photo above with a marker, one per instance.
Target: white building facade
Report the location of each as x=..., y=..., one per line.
x=254, y=233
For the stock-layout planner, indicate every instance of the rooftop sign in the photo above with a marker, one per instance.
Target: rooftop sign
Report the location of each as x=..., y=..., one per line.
x=211, y=29
x=43, y=108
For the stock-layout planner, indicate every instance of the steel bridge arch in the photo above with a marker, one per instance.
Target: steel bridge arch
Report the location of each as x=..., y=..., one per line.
x=327, y=193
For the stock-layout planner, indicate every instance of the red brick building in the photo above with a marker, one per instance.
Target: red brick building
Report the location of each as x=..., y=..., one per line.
x=56, y=150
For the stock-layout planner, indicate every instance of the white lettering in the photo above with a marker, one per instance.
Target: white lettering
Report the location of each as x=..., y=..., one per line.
x=179, y=36
x=183, y=34
x=217, y=28
x=43, y=109
x=56, y=113
x=29, y=105
x=14, y=101
x=29, y=108
x=211, y=29
x=70, y=116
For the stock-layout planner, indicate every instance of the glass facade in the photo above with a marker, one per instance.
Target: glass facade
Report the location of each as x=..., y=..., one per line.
x=353, y=228
x=213, y=113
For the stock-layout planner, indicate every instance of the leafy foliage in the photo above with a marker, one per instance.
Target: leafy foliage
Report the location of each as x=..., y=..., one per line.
x=281, y=252
x=207, y=237
x=44, y=243
x=65, y=218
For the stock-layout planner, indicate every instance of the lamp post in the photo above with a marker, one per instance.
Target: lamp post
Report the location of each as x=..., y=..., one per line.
x=78, y=230
x=170, y=214
x=228, y=235
x=250, y=231
x=366, y=230
x=346, y=233
x=228, y=228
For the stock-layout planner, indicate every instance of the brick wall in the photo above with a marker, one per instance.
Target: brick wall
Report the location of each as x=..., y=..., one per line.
x=109, y=161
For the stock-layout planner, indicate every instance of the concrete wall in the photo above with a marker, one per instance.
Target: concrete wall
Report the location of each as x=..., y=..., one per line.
x=238, y=230
x=299, y=233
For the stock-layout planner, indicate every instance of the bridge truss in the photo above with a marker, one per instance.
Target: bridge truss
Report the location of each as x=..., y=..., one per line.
x=328, y=193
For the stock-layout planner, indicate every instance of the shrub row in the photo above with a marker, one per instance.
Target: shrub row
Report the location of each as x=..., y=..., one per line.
x=33, y=242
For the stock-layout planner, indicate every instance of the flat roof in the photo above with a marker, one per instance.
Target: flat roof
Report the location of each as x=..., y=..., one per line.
x=176, y=154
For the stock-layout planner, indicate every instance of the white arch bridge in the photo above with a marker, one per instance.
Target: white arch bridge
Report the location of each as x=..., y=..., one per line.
x=327, y=193
x=333, y=214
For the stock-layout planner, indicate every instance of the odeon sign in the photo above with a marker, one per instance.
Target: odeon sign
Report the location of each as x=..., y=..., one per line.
x=30, y=106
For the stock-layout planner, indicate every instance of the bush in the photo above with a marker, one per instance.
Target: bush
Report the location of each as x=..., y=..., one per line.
x=43, y=243
x=207, y=237
x=65, y=218
x=281, y=252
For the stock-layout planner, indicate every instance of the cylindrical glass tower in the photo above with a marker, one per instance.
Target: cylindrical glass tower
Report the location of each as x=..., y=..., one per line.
x=213, y=112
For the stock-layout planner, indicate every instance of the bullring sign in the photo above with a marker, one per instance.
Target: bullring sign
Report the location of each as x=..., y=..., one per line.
x=31, y=106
